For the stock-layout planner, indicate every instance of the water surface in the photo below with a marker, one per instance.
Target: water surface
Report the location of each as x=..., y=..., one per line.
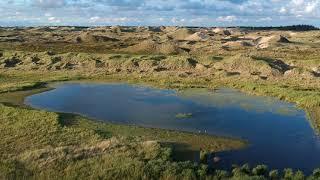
x=279, y=134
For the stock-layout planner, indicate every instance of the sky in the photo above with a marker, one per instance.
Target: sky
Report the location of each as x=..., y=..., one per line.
x=159, y=12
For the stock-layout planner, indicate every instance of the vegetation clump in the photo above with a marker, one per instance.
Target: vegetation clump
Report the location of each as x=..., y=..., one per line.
x=184, y=115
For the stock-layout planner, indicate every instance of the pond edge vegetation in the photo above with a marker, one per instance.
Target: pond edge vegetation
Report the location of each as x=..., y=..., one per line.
x=238, y=171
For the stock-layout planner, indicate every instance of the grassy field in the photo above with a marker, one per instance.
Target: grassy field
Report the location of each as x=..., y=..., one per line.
x=45, y=145
x=38, y=144
x=49, y=145
x=306, y=97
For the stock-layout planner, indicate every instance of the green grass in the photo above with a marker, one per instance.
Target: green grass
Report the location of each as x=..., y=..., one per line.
x=303, y=97
x=306, y=95
x=184, y=115
x=45, y=145
x=38, y=144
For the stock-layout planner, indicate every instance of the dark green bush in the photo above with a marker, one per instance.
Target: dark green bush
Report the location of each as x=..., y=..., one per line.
x=299, y=175
x=245, y=169
x=260, y=170
x=288, y=174
x=204, y=156
x=220, y=174
x=274, y=174
x=316, y=173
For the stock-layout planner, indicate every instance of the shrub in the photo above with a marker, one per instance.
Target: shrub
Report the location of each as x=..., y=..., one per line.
x=204, y=156
x=274, y=174
x=217, y=58
x=115, y=57
x=288, y=173
x=220, y=174
x=188, y=174
x=236, y=172
x=299, y=176
x=260, y=170
x=166, y=154
x=202, y=171
x=245, y=169
x=158, y=57
x=316, y=173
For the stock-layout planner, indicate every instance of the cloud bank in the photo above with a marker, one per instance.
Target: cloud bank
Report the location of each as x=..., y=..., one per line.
x=159, y=12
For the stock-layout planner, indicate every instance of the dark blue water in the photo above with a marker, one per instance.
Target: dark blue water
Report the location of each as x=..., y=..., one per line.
x=279, y=134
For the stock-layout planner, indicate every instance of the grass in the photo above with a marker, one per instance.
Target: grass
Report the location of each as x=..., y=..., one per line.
x=44, y=145
x=47, y=145
x=313, y=115
x=306, y=96
x=29, y=129
x=108, y=130
x=303, y=97
x=184, y=115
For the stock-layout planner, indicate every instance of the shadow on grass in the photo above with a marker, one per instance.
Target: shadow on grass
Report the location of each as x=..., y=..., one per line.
x=36, y=85
x=8, y=104
x=274, y=63
x=13, y=169
x=183, y=152
x=69, y=119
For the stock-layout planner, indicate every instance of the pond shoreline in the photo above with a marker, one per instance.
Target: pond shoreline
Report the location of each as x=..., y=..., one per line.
x=142, y=81
x=16, y=99
x=66, y=87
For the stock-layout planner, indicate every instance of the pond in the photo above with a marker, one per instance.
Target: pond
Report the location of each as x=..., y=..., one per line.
x=280, y=135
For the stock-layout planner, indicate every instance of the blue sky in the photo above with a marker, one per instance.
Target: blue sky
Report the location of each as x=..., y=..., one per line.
x=159, y=12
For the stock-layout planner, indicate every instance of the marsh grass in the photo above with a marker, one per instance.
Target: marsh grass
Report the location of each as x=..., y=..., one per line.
x=34, y=143
x=38, y=144
x=48, y=145
x=306, y=97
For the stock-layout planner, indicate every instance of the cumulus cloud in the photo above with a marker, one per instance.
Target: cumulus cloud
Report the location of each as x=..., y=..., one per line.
x=264, y=19
x=310, y=7
x=282, y=10
x=227, y=18
x=164, y=12
x=54, y=20
x=97, y=20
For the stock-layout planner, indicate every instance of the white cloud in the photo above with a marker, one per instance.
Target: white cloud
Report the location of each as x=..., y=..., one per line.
x=297, y=2
x=113, y=20
x=264, y=19
x=226, y=18
x=94, y=19
x=54, y=20
x=310, y=7
x=302, y=8
x=283, y=10
x=163, y=12
x=177, y=20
